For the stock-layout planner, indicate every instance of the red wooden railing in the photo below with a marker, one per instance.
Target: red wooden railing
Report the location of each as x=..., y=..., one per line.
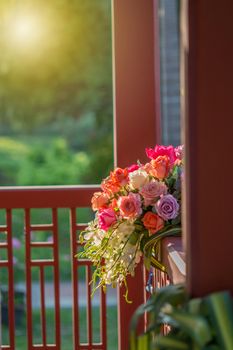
x=28, y=198
x=54, y=198
x=153, y=280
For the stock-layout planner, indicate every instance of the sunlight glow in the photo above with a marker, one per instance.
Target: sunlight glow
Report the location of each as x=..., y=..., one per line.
x=25, y=30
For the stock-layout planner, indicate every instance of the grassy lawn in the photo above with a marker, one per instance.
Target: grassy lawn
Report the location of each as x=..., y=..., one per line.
x=66, y=328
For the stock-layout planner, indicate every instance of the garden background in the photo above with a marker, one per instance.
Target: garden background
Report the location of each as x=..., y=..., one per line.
x=56, y=118
x=56, y=115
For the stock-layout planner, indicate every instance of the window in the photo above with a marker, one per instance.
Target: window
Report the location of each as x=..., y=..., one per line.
x=169, y=71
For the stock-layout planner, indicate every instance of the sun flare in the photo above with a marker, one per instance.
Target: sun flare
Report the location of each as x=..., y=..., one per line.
x=25, y=30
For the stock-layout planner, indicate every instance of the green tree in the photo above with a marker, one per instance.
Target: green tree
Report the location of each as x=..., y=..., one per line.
x=60, y=84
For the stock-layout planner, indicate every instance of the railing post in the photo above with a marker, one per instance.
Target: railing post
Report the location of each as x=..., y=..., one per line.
x=136, y=108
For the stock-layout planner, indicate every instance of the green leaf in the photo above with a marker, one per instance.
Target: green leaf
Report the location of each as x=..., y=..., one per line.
x=220, y=311
x=143, y=342
x=133, y=239
x=195, y=326
x=194, y=306
x=177, y=220
x=170, y=343
x=147, y=258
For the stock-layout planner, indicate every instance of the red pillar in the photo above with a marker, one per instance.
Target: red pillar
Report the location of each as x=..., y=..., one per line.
x=209, y=145
x=137, y=107
x=136, y=78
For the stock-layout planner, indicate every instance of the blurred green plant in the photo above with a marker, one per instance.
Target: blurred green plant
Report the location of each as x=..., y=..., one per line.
x=57, y=165
x=50, y=162
x=194, y=324
x=12, y=152
x=58, y=87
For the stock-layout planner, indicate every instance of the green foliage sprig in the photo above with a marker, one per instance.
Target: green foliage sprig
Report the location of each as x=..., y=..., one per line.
x=195, y=324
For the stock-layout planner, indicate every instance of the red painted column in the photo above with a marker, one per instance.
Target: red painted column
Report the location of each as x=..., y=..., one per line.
x=136, y=78
x=137, y=108
x=209, y=145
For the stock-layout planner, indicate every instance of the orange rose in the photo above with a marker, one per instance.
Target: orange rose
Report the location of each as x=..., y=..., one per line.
x=109, y=187
x=160, y=167
x=119, y=176
x=99, y=200
x=152, y=222
x=114, y=205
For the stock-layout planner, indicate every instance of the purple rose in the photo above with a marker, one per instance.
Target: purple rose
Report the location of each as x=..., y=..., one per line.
x=167, y=207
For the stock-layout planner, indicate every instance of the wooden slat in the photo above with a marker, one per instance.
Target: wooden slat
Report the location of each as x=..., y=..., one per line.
x=28, y=279
x=3, y=245
x=41, y=244
x=81, y=227
x=42, y=262
x=42, y=227
x=103, y=319
x=56, y=281
x=97, y=346
x=47, y=196
x=11, y=313
x=74, y=273
x=42, y=303
x=41, y=347
x=89, y=307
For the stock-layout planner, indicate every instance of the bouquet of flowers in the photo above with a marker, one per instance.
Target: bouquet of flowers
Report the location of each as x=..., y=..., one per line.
x=136, y=205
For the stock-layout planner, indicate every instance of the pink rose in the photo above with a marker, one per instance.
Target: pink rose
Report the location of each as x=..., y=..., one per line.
x=106, y=218
x=130, y=206
x=132, y=168
x=162, y=151
x=151, y=191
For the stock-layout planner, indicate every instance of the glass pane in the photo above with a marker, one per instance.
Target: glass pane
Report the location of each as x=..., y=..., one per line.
x=56, y=115
x=170, y=71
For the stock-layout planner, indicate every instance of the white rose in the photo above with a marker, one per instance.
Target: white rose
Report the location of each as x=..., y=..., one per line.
x=138, y=178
